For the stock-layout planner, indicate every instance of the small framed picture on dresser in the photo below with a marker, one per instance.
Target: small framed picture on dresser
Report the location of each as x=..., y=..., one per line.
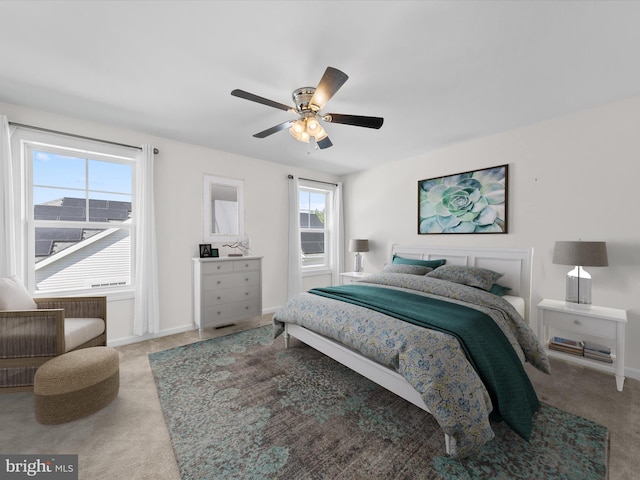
x=206, y=251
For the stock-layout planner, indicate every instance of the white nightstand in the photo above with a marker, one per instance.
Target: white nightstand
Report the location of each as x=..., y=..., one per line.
x=350, y=277
x=585, y=322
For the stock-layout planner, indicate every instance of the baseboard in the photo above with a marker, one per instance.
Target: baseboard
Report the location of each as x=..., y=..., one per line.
x=118, y=342
x=632, y=373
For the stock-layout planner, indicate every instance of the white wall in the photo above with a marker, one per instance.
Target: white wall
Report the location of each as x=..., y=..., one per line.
x=572, y=177
x=575, y=177
x=178, y=181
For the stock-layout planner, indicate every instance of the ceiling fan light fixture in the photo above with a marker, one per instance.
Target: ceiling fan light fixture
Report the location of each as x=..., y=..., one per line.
x=321, y=134
x=313, y=126
x=301, y=136
x=298, y=127
x=299, y=131
x=304, y=137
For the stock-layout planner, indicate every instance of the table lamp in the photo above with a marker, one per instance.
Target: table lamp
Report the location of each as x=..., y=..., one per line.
x=580, y=254
x=358, y=245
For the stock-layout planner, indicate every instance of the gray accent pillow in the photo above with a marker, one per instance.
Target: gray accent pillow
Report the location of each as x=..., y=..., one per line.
x=411, y=269
x=473, y=276
x=14, y=295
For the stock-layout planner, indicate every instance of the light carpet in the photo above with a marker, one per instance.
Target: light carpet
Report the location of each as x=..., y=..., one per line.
x=241, y=406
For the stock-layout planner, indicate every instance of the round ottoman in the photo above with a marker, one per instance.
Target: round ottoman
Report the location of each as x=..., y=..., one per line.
x=76, y=384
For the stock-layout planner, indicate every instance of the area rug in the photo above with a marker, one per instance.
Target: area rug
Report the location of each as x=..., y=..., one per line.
x=242, y=406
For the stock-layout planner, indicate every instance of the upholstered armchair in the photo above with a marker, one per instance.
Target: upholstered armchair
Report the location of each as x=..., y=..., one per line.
x=33, y=331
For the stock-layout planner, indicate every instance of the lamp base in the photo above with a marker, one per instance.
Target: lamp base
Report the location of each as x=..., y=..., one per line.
x=358, y=263
x=579, y=286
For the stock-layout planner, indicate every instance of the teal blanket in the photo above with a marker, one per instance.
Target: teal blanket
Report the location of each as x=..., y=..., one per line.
x=487, y=349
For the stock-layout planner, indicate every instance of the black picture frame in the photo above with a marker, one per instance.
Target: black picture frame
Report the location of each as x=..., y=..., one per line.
x=206, y=251
x=468, y=202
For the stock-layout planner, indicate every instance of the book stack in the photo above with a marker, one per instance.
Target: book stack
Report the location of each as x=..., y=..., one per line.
x=566, y=345
x=597, y=352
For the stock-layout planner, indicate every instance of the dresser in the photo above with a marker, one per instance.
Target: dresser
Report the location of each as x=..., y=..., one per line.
x=226, y=290
x=579, y=322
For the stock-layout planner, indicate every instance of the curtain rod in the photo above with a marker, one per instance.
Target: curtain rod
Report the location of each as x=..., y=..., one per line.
x=48, y=130
x=317, y=181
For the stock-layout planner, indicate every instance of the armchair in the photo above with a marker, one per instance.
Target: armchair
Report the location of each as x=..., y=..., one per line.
x=30, y=337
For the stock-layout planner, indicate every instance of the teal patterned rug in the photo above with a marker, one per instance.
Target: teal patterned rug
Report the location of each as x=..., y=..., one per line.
x=243, y=407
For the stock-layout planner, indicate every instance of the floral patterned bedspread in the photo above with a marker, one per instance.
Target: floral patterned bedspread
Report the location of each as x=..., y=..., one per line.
x=432, y=362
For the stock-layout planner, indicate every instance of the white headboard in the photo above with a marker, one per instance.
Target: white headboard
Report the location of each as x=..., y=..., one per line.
x=514, y=263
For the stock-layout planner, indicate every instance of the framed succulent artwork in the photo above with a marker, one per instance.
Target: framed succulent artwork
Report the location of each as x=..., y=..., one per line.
x=469, y=202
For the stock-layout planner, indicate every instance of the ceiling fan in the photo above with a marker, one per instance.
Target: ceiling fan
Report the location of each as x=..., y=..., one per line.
x=309, y=102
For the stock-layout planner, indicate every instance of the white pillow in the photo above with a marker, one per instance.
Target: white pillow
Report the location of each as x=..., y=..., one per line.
x=14, y=296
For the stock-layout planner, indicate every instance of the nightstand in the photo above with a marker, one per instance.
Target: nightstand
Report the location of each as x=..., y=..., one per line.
x=350, y=277
x=585, y=322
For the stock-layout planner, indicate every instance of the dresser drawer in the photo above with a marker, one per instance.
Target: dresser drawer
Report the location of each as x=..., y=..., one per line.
x=580, y=323
x=228, y=295
x=246, y=265
x=229, y=312
x=230, y=280
x=217, y=267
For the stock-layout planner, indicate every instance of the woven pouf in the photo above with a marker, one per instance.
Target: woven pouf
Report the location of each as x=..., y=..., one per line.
x=76, y=384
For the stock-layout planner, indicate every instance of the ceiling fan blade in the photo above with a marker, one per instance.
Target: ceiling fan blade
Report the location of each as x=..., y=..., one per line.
x=272, y=130
x=324, y=143
x=356, y=120
x=262, y=100
x=329, y=84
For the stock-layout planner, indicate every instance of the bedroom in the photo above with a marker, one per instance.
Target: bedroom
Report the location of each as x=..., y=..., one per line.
x=571, y=177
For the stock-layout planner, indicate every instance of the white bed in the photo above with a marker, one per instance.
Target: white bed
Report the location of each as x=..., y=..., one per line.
x=515, y=263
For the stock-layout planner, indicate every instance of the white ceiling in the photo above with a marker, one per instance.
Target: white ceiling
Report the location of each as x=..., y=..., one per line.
x=439, y=72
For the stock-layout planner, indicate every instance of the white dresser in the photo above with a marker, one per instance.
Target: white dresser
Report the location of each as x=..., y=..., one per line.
x=225, y=290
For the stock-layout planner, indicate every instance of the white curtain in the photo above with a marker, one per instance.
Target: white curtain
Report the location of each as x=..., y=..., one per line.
x=337, y=228
x=294, y=279
x=8, y=263
x=146, y=317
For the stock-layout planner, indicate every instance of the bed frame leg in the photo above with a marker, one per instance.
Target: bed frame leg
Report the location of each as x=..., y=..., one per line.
x=447, y=443
x=286, y=337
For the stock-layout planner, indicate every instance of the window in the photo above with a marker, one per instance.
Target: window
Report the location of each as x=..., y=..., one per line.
x=80, y=214
x=315, y=225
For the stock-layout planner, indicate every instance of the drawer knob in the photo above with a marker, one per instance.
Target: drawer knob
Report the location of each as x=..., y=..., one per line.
x=218, y=267
x=219, y=298
x=577, y=322
x=218, y=282
x=246, y=308
x=246, y=279
x=218, y=313
x=246, y=293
